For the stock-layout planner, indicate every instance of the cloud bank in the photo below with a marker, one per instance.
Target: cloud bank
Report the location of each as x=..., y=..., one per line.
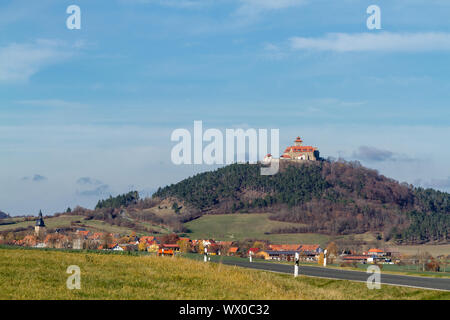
x=375, y=42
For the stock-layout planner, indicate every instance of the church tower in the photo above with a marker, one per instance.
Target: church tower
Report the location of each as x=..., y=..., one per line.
x=298, y=142
x=39, y=228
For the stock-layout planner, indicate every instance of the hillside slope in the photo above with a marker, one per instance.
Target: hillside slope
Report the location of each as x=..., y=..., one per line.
x=327, y=197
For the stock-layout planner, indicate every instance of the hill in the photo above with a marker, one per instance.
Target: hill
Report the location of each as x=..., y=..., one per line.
x=41, y=274
x=334, y=198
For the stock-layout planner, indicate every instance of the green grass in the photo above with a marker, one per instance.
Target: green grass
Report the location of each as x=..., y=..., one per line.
x=232, y=227
x=41, y=274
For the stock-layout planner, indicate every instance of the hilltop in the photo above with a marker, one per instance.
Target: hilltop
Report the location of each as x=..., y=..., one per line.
x=323, y=196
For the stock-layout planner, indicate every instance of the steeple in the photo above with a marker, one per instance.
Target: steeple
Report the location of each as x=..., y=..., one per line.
x=298, y=142
x=40, y=220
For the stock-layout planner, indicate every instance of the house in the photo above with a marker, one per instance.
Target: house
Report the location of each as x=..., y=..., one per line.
x=374, y=252
x=116, y=247
x=233, y=251
x=165, y=252
x=174, y=247
x=277, y=255
x=284, y=247
x=83, y=233
x=309, y=252
x=153, y=247
x=213, y=249
x=355, y=258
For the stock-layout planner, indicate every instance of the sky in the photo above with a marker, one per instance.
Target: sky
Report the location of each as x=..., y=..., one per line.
x=88, y=113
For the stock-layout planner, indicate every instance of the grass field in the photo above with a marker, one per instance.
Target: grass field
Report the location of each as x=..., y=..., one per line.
x=248, y=226
x=55, y=222
x=433, y=249
x=39, y=274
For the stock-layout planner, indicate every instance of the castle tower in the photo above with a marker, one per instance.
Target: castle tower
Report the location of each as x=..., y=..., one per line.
x=298, y=142
x=39, y=228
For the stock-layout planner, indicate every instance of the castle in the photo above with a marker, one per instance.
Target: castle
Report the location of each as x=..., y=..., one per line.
x=297, y=152
x=300, y=152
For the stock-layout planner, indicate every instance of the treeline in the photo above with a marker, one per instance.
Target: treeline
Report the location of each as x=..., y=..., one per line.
x=122, y=200
x=328, y=197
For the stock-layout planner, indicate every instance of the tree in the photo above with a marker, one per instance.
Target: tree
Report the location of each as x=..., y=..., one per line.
x=170, y=238
x=142, y=246
x=332, y=251
x=321, y=258
x=201, y=247
x=107, y=240
x=184, y=246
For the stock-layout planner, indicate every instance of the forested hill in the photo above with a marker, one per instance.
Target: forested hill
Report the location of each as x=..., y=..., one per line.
x=327, y=197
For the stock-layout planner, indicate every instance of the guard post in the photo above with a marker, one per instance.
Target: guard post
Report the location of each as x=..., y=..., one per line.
x=296, y=264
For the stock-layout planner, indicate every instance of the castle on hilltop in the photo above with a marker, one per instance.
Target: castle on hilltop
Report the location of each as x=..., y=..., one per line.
x=297, y=152
x=300, y=152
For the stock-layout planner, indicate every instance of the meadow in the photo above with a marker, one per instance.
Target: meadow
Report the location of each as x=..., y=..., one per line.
x=231, y=227
x=41, y=274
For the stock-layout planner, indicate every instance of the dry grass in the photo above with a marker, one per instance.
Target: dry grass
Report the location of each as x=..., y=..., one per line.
x=36, y=274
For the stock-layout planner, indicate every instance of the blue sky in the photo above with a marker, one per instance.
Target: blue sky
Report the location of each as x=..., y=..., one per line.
x=87, y=113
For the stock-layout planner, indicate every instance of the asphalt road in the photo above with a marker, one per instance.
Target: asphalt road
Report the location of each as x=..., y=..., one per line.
x=410, y=281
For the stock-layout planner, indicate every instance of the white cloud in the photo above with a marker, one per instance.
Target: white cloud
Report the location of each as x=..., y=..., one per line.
x=250, y=7
x=181, y=4
x=385, y=41
x=18, y=62
x=51, y=103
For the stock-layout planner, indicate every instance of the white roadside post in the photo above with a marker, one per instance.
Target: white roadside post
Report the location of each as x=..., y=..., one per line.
x=250, y=256
x=296, y=264
x=325, y=258
x=205, y=259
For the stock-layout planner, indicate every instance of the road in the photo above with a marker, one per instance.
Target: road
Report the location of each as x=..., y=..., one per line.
x=399, y=280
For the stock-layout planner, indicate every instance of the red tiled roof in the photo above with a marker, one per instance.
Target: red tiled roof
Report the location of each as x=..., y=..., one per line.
x=309, y=247
x=284, y=247
x=376, y=250
x=233, y=250
x=300, y=149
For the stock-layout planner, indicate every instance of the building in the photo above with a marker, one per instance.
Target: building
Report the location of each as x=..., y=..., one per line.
x=277, y=255
x=374, y=252
x=39, y=228
x=299, y=152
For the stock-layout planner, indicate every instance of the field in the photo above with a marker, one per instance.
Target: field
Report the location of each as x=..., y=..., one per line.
x=65, y=221
x=41, y=274
x=248, y=226
x=55, y=222
x=434, y=250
